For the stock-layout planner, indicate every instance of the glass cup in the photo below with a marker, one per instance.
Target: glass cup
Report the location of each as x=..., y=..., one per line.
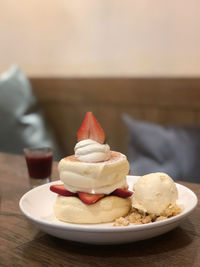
x=39, y=164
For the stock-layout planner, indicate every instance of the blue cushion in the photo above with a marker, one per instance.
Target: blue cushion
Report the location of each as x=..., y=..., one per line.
x=172, y=149
x=22, y=124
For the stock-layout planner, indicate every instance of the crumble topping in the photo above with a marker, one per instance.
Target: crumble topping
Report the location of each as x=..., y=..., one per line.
x=138, y=217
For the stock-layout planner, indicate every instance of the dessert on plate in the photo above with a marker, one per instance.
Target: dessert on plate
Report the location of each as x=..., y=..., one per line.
x=154, y=199
x=94, y=188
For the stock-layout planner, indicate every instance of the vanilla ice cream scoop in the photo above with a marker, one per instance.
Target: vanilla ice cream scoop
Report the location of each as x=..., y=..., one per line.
x=154, y=192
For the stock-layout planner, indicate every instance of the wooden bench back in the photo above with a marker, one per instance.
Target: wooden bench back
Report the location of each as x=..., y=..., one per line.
x=162, y=100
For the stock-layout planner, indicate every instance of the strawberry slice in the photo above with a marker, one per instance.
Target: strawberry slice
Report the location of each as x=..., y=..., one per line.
x=91, y=129
x=89, y=198
x=121, y=192
x=61, y=190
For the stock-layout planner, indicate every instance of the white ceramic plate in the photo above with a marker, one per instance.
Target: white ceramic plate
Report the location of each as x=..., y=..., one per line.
x=37, y=206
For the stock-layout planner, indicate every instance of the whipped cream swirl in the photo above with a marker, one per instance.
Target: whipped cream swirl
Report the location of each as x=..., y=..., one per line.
x=91, y=151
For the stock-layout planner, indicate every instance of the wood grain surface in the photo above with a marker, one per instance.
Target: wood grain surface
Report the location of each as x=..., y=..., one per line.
x=21, y=244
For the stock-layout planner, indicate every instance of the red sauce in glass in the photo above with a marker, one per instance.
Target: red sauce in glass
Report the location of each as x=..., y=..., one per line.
x=39, y=164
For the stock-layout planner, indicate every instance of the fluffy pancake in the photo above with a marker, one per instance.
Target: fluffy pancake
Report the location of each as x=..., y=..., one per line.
x=107, y=209
x=101, y=177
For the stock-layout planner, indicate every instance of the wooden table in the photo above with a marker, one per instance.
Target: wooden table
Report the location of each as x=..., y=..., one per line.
x=21, y=244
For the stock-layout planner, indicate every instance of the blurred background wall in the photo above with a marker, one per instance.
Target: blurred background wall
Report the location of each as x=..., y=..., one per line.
x=101, y=37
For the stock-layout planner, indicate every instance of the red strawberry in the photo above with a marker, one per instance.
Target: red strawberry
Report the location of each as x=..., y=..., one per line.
x=121, y=192
x=61, y=190
x=90, y=129
x=89, y=198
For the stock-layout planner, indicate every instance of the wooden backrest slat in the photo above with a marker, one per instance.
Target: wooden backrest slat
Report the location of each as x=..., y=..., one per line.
x=160, y=100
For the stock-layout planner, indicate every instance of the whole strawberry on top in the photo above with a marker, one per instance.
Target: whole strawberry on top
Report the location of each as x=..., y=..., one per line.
x=94, y=188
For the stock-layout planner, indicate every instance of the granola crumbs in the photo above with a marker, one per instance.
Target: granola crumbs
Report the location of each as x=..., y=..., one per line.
x=122, y=221
x=138, y=217
x=160, y=218
x=171, y=211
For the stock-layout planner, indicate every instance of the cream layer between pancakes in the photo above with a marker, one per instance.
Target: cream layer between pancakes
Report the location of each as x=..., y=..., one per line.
x=102, y=177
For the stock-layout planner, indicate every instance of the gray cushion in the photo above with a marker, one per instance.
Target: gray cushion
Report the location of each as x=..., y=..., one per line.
x=172, y=149
x=22, y=125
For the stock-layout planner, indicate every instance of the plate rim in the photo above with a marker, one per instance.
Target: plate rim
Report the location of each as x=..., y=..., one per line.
x=91, y=227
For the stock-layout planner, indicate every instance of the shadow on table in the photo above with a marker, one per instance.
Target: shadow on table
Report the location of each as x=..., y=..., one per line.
x=163, y=248
x=173, y=240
